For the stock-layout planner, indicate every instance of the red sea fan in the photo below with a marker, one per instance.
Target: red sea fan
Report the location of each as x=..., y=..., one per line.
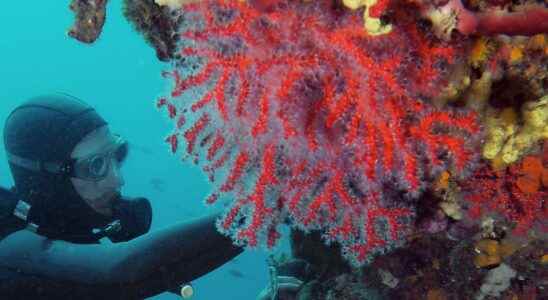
x=300, y=117
x=511, y=194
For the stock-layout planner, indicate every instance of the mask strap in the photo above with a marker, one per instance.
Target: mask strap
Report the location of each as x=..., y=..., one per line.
x=39, y=166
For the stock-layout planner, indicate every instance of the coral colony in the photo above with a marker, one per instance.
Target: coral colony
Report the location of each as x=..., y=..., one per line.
x=418, y=126
x=300, y=116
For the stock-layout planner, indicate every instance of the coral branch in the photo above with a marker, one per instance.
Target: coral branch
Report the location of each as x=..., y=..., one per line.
x=516, y=194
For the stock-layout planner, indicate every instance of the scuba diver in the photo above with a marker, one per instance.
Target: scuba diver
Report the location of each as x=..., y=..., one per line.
x=66, y=164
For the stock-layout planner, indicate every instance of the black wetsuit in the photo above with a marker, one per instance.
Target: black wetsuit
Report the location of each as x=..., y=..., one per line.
x=33, y=266
x=59, y=256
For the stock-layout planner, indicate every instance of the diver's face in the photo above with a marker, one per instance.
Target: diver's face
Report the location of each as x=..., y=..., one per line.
x=99, y=194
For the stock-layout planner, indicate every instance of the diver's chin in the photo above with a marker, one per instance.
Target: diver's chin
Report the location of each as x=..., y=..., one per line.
x=109, y=202
x=107, y=211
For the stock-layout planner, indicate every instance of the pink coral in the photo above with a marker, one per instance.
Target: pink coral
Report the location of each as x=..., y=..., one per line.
x=302, y=118
x=524, y=20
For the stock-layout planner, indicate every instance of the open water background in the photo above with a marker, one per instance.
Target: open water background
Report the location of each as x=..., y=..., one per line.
x=120, y=76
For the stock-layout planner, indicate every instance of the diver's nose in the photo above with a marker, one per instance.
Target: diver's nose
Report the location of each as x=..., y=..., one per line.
x=116, y=178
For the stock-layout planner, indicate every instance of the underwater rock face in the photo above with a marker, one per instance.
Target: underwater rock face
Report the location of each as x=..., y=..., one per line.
x=458, y=228
x=89, y=20
x=157, y=24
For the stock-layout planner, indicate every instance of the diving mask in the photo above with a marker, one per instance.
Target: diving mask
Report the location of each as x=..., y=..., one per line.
x=96, y=167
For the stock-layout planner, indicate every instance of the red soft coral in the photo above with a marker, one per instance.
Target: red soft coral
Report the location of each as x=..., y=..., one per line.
x=307, y=119
x=515, y=194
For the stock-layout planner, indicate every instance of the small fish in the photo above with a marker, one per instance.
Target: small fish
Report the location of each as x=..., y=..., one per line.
x=142, y=149
x=158, y=184
x=236, y=273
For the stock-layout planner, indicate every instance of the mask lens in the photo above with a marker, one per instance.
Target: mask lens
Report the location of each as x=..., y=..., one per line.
x=98, y=166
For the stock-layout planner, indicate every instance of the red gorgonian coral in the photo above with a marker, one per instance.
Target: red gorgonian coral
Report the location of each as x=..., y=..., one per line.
x=517, y=194
x=300, y=117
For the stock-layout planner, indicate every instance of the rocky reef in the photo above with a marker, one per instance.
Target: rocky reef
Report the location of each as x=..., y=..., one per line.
x=416, y=131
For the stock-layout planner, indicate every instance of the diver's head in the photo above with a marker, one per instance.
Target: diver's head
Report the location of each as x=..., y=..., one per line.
x=95, y=164
x=64, y=161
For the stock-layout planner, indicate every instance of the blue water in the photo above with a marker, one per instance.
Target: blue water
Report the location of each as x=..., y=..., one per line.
x=120, y=76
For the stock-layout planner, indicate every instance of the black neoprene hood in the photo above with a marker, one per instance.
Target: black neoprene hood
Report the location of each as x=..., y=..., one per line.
x=45, y=130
